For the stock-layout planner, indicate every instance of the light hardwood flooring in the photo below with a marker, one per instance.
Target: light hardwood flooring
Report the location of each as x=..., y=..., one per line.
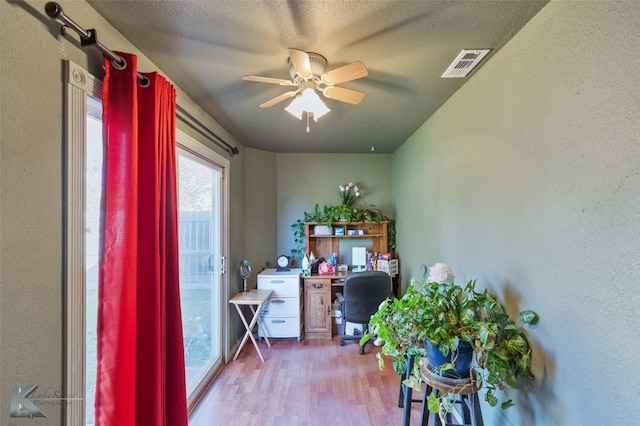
x=311, y=382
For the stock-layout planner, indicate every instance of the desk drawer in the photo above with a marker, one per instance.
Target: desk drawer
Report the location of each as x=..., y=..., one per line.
x=281, y=327
x=281, y=307
x=281, y=286
x=317, y=284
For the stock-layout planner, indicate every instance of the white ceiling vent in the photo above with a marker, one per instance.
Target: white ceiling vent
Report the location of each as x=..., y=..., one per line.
x=465, y=62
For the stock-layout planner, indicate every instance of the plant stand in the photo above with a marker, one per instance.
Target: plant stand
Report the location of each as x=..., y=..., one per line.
x=463, y=392
x=405, y=396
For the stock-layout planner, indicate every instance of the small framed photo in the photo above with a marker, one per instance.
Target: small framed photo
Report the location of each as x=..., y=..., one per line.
x=339, y=230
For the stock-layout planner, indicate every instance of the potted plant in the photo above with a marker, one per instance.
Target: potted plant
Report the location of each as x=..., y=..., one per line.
x=343, y=212
x=447, y=317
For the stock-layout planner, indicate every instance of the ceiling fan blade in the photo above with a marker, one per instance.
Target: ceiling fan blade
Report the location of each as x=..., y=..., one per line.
x=349, y=72
x=280, y=98
x=349, y=96
x=269, y=80
x=301, y=62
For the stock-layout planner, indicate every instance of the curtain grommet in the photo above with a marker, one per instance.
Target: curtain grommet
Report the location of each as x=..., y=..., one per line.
x=119, y=66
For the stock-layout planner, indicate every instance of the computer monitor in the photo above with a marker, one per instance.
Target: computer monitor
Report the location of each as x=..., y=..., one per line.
x=359, y=258
x=346, y=246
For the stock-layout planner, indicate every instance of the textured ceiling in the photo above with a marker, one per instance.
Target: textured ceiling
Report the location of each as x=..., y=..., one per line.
x=206, y=47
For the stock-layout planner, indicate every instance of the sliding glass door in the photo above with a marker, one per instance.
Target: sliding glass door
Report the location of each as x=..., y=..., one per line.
x=92, y=214
x=200, y=226
x=202, y=193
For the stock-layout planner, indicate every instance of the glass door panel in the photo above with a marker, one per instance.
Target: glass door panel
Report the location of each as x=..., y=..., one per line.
x=199, y=214
x=93, y=190
x=199, y=227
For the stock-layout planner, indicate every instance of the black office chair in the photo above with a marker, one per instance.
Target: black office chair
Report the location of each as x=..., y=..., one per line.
x=363, y=294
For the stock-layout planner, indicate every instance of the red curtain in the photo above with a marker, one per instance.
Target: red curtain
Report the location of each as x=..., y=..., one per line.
x=141, y=375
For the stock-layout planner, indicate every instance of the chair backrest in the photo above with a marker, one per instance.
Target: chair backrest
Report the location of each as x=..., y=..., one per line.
x=363, y=293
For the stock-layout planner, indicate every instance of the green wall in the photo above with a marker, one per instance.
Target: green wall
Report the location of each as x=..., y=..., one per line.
x=262, y=210
x=528, y=179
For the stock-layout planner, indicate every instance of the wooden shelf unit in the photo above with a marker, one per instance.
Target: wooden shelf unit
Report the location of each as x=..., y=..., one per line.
x=319, y=290
x=320, y=245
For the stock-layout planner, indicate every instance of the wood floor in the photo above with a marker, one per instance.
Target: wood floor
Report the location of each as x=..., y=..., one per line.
x=311, y=382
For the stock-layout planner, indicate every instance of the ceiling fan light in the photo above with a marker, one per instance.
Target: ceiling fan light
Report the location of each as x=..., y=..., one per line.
x=320, y=110
x=308, y=102
x=295, y=108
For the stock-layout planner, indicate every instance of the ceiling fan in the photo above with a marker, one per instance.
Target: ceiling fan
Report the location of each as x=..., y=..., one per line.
x=308, y=70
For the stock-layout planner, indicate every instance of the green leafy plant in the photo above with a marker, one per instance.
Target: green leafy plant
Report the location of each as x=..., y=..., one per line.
x=447, y=314
x=339, y=213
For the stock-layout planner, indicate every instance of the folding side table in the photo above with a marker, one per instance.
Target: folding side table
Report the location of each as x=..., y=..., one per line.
x=255, y=299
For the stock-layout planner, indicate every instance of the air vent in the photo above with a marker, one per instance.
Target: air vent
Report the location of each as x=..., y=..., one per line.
x=464, y=63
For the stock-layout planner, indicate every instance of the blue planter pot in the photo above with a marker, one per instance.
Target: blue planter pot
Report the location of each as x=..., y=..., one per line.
x=461, y=365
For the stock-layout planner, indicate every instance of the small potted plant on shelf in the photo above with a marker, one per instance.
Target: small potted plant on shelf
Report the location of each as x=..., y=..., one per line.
x=348, y=193
x=438, y=315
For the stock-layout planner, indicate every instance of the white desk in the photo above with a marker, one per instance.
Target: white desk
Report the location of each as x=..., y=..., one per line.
x=255, y=300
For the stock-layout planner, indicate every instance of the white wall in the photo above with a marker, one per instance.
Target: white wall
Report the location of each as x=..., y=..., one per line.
x=528, y=179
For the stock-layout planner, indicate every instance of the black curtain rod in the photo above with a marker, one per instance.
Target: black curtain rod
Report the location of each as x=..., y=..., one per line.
x=191, y=121
x=90, y=38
